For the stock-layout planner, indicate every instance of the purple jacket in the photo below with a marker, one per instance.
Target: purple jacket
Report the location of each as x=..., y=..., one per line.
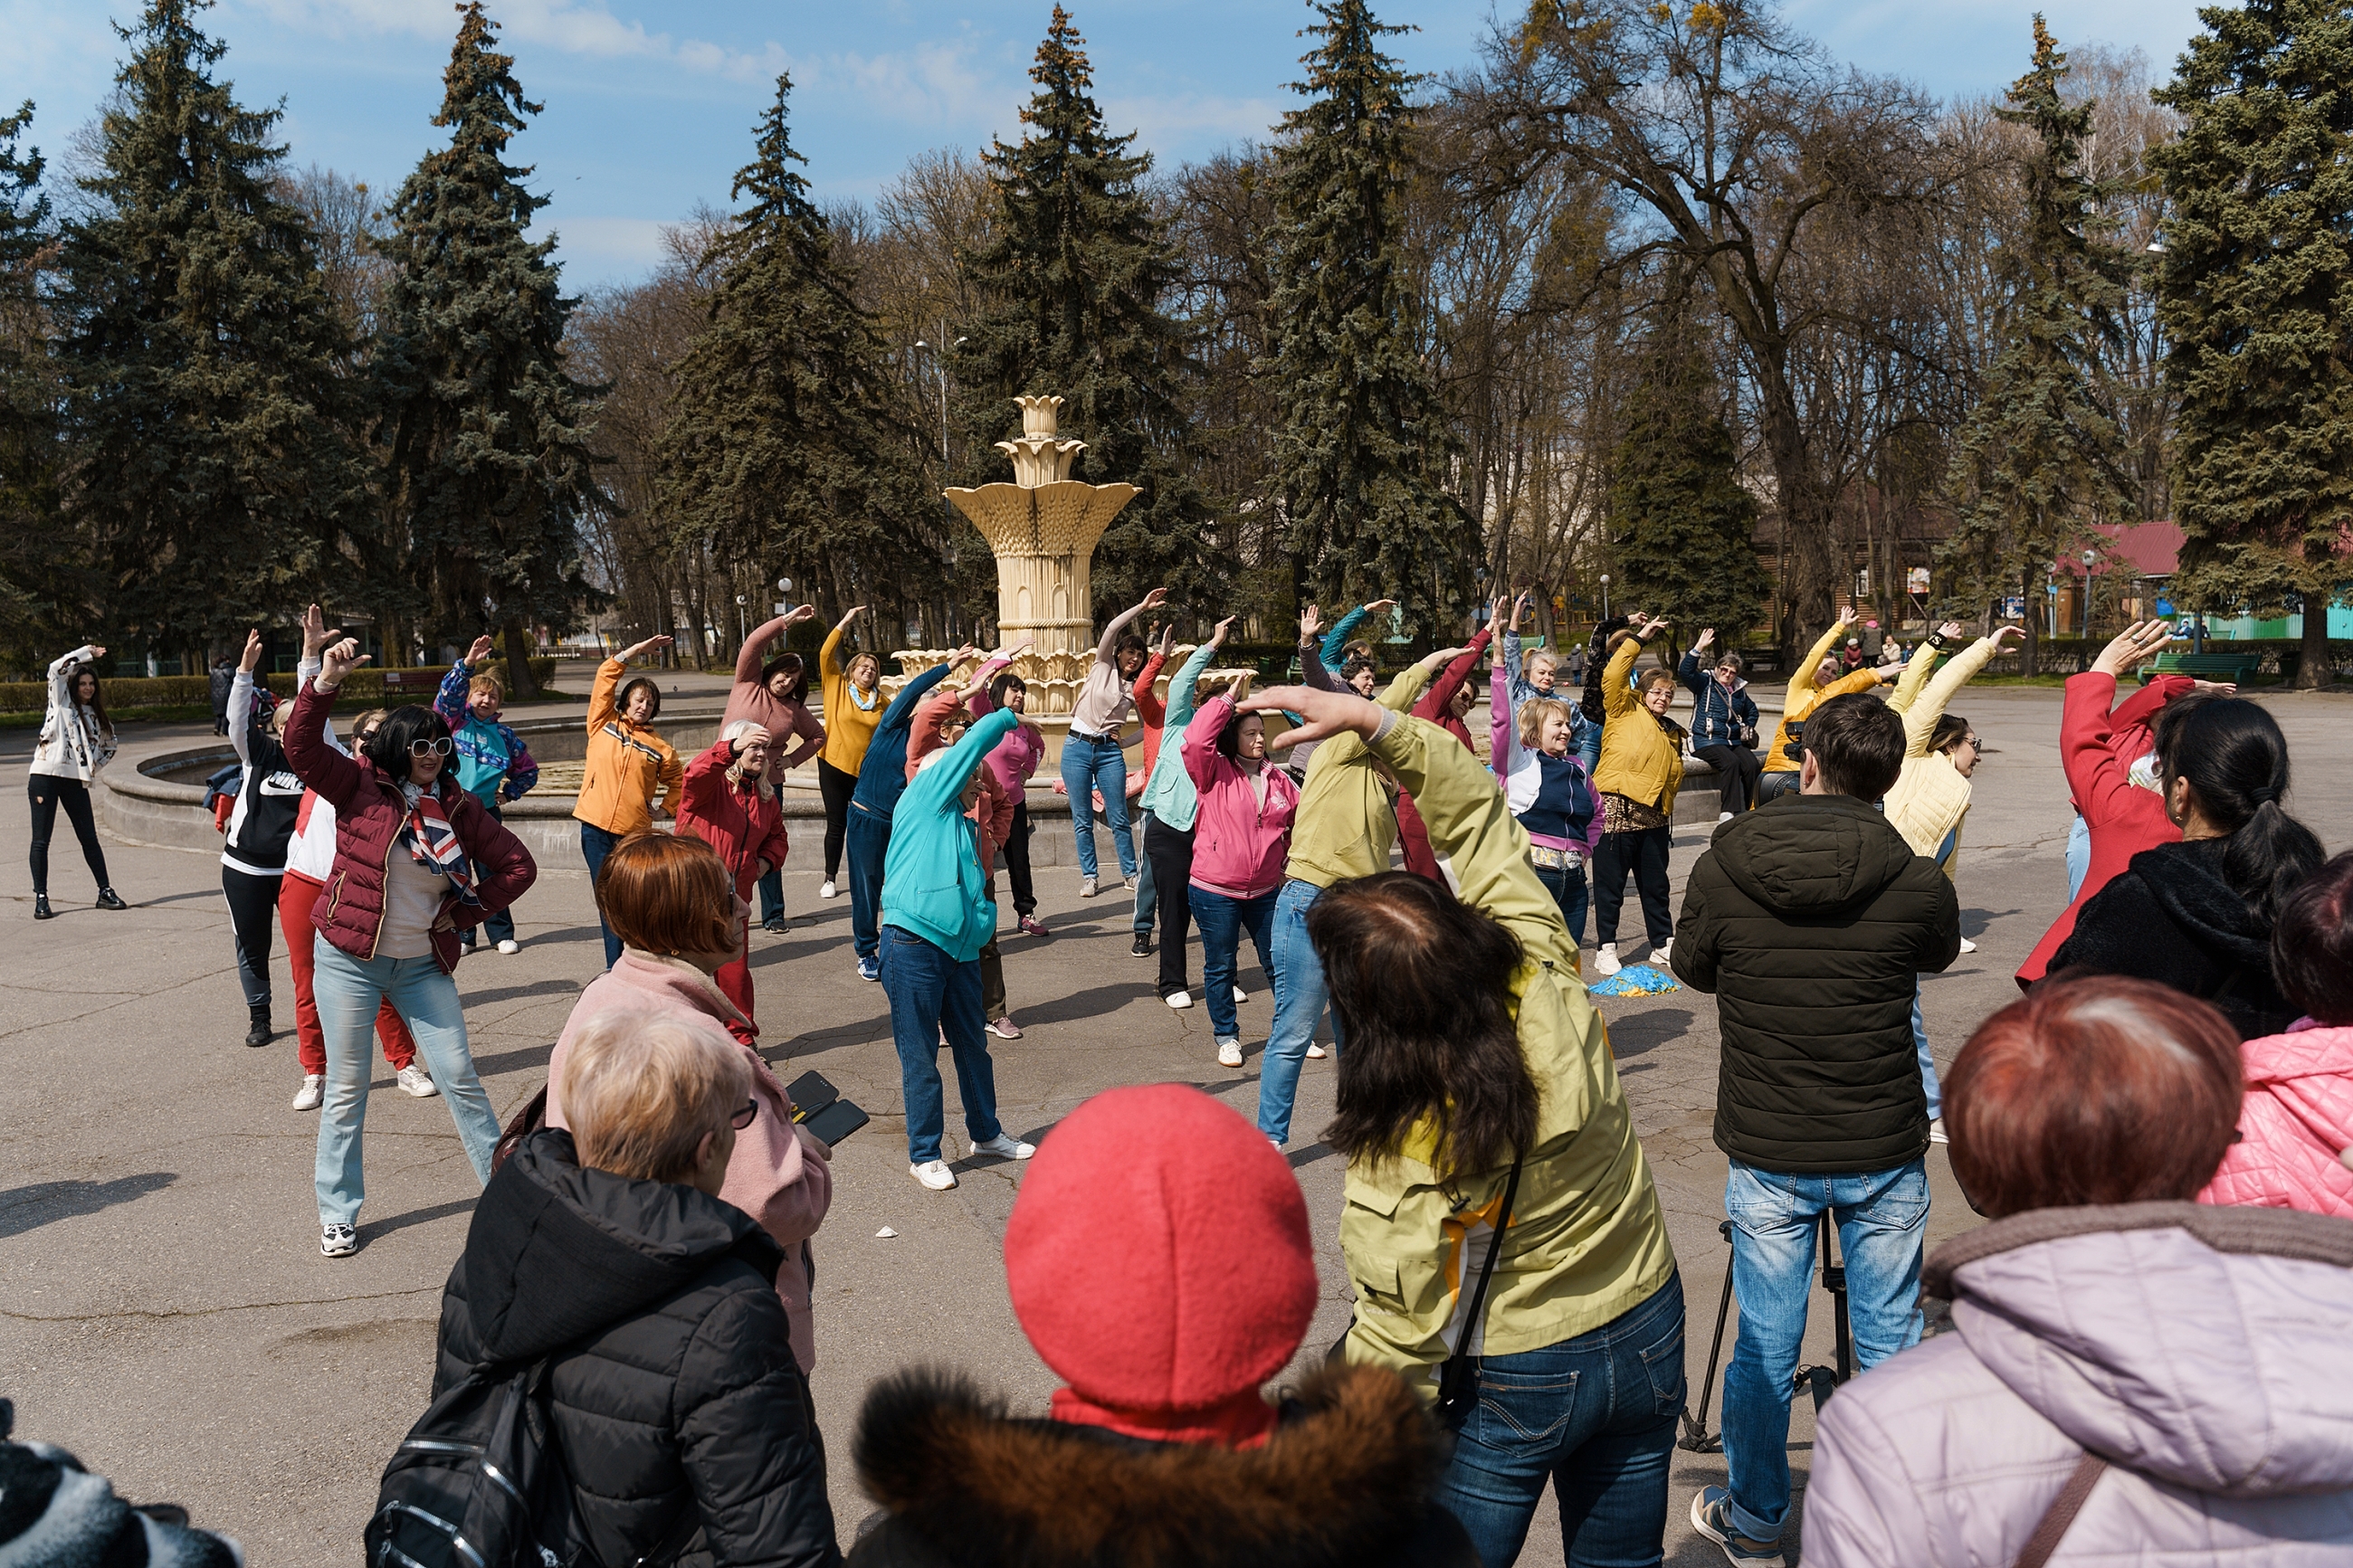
x=2207, y=1354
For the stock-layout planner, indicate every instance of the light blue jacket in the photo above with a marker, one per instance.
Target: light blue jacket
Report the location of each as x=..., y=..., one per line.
x=933, y=885
x=1168, y=794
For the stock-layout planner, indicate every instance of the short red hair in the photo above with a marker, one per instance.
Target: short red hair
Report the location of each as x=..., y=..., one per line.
x=668, y=894
x=2093, y=1090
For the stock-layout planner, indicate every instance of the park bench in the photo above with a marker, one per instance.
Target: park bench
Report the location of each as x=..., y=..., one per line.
x=2231, y=666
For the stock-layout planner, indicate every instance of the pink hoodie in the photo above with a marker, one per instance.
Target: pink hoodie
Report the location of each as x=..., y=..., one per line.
x=2297, y=1120
x=778, y=1173
x=1240, y=842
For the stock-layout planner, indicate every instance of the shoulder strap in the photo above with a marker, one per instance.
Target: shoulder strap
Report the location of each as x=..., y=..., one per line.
x=2063, y=1512
x=1487, y=1268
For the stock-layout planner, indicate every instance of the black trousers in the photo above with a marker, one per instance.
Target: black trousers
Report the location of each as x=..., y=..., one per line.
x=252, y=917
x=1170, y=851
x=1736, y=768
x=46, y=792
x=1645, y=855
x=837, y=788
x=1015, y=856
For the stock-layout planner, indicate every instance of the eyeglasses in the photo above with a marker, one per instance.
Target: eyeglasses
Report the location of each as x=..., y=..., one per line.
x=746, y=1116
x=440, y=748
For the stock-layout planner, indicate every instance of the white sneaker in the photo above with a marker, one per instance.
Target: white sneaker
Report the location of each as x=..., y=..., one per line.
x=1605, y=959
x=1660, y=954
x=1316, y=1053
x=1229, y=1053
x=933, y=1174
x=1086, y=887
x=337, y=1241
x=1723, y=817
x=1241, y=994
x=1005, y=1146
x=1936, y=1131
x=825, y=889
x=314, y=1090
x=1180, y=1000
x=1005, y=1028
x=509, y=946
x=1967, y=946
x=414, y=1079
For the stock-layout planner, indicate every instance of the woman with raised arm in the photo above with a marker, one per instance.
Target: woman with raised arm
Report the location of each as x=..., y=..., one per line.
x=1723, y=724
x=1013, y=763
x=260, y=826
x=773, y=692
x=491, y=759
x=853, y=706
x=1642, y=768
x=1552, y=798
x=1480, y=1112
x=1820, y=676
x=727, y=801
x=628, y=766
x=1446, y=704
x=1242, y=839
x=1171, y=811
x=77, y=739
x=1091, y=758
x=1154, y=713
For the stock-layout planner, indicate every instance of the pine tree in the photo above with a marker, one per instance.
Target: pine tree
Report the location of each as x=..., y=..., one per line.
x=1681, y=522
x=2255, y=293
x=1074, y=274
x=780, y=446
x=44, y=576
x=211, y=463
x=1362, y=446
x=2040, y=457
x=487, y=435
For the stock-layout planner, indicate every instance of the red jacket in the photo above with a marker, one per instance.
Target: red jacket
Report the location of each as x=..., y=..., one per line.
x=744, y=825
x=369, y=810
x=1436, y=705
x=2098, y=748
x=1151, y=710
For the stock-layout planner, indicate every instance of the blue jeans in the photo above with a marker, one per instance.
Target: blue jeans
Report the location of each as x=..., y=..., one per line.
x=772, y=895
x=1569, y=895
x=1928, y=1060
x=1222, y=920
x=1882, y=1219
x=595, y=845
x=1299, y=1001
x=2079, y=855
x=867, y=843
x=349, y=991
x=1595, y=1415
x=1088, y=767
x=500, y=926
x=929, y=993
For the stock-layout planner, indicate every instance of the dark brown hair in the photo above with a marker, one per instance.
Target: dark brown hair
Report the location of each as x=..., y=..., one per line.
x=96, y=694
x=1420, y=984
x=1951, y=731
x=621, y=701
x=1857, y=744
x=2312, y=945
x=2235, y=759
x=2096, y=1088
x=788, y=664
x=669, y=894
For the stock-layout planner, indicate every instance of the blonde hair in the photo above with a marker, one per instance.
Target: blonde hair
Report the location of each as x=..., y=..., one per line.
x=641, y=1087
x=1533, y=714
x=735, y=769
x=488, y=682
x=365, y=716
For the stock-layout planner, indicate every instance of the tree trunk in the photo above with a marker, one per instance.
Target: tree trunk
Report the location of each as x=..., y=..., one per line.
x=1812, y=568
x=520, y=687
x=2312, y=671
x=2031, y=620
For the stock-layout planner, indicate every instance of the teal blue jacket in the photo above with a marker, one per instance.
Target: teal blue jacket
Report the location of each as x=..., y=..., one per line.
x=931, y=881
x=1168, y=794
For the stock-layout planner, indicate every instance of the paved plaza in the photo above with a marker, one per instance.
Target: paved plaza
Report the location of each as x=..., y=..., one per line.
x=165, y=1313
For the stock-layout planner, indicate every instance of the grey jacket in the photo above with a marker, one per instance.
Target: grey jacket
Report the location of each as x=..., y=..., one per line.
x=2207, y=1354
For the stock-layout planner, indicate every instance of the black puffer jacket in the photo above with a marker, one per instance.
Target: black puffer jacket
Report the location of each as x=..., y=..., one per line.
x=1345, y=1481
x=1811, y=918
x=681, y=1391
x=2172, y=918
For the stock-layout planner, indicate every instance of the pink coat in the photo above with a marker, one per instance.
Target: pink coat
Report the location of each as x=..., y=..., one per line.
x=2297, y=1120
x=778, y=1173
x=1239, y=845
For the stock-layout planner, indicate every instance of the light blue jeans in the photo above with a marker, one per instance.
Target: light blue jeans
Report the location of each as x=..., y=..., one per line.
x=1883, y=1221
x=1088, y=767
x=1927, y=1059
x=349, y=991
x=1299, y=1005
x=2079, y=855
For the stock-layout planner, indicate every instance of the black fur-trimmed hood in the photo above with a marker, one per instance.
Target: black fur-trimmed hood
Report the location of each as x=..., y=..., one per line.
x=1346, y=1479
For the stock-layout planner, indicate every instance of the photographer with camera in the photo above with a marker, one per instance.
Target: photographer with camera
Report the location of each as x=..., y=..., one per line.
x=1809, y=919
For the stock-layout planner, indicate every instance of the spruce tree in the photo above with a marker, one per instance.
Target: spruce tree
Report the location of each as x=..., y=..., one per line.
x=2255, y=293
x=43, y=577
x=211, y=467
x=1075, y=276
x=1681, y=522
x=1362, y=444
x=780, y=446
x=487, y=435
x=2040, y=457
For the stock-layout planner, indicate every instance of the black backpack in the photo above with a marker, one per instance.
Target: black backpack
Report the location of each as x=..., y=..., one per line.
x=467, y=1486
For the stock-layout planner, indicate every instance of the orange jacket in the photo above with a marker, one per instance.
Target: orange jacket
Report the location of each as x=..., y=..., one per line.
x=629, y=764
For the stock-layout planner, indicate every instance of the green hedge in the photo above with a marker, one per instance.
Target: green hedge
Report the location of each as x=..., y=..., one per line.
x=366, y=686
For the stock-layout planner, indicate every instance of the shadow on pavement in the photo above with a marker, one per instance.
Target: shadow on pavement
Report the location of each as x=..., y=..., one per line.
x=42, y=1203
x=376, y=1229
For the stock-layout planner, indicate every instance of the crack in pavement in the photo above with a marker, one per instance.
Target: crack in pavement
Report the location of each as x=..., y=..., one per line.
x=210, y=1312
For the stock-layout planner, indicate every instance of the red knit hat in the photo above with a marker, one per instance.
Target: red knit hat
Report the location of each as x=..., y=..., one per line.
x=1158, y=1253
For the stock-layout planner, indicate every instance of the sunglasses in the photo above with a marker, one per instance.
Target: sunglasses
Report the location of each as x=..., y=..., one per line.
x=440, y=748
x=746, y=1116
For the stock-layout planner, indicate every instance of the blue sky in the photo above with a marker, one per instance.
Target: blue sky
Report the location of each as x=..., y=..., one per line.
x=649, y=105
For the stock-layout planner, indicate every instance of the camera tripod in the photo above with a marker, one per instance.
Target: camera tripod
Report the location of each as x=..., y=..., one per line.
x=1821, y=1381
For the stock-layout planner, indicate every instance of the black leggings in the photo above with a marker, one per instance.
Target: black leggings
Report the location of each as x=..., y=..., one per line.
x=1736, y=768
x=47, y=792
x=837, y=788
x=1015, y=856
x=1170, y=851
x=1645, y=855
x=252, y=916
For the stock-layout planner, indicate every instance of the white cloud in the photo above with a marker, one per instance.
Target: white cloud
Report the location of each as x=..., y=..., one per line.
x=594, y=247
x=572, y=26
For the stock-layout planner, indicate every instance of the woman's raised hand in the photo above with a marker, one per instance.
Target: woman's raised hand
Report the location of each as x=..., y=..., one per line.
x=252, y=652
x=2000, y=647
x=1706, y=639
x=337, y=662
x=1154, y=599
x=753, y=736
x=1952, y=629
x=652, y=643
x=854, y=613
x=480, y=651
x=1167, y=639
x=316, y=635
x=1322, y=714
x=1377, y=605
x=1311, y=620
x=2132, y=645
x=1218, y=637
x=1238, y=688
x=1650, y=626
x=800, y=613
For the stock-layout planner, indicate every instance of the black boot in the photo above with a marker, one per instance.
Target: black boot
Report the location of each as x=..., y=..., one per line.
x=41, y=911
x=109, y=899
x=260, y=1032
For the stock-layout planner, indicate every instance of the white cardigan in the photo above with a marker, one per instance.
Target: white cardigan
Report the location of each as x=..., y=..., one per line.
x=72, y=745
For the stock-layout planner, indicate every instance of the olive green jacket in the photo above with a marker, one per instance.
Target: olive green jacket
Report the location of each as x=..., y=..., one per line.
x=1585, y=1243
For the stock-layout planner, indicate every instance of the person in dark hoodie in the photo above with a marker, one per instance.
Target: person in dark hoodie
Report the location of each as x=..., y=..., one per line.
x=1808, y=918
x=608, y=1249
x=52, y=1511
x=2198, y=915
x=1159, y=1259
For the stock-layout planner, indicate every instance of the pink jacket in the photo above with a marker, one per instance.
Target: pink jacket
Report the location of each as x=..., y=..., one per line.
x=778, y=1173
x=2297, y=1120
x=1017, y=757
x=1239, y=845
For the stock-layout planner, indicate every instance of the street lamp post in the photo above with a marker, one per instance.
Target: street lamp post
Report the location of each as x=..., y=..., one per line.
x=2089, y=557
x=1605, y=595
